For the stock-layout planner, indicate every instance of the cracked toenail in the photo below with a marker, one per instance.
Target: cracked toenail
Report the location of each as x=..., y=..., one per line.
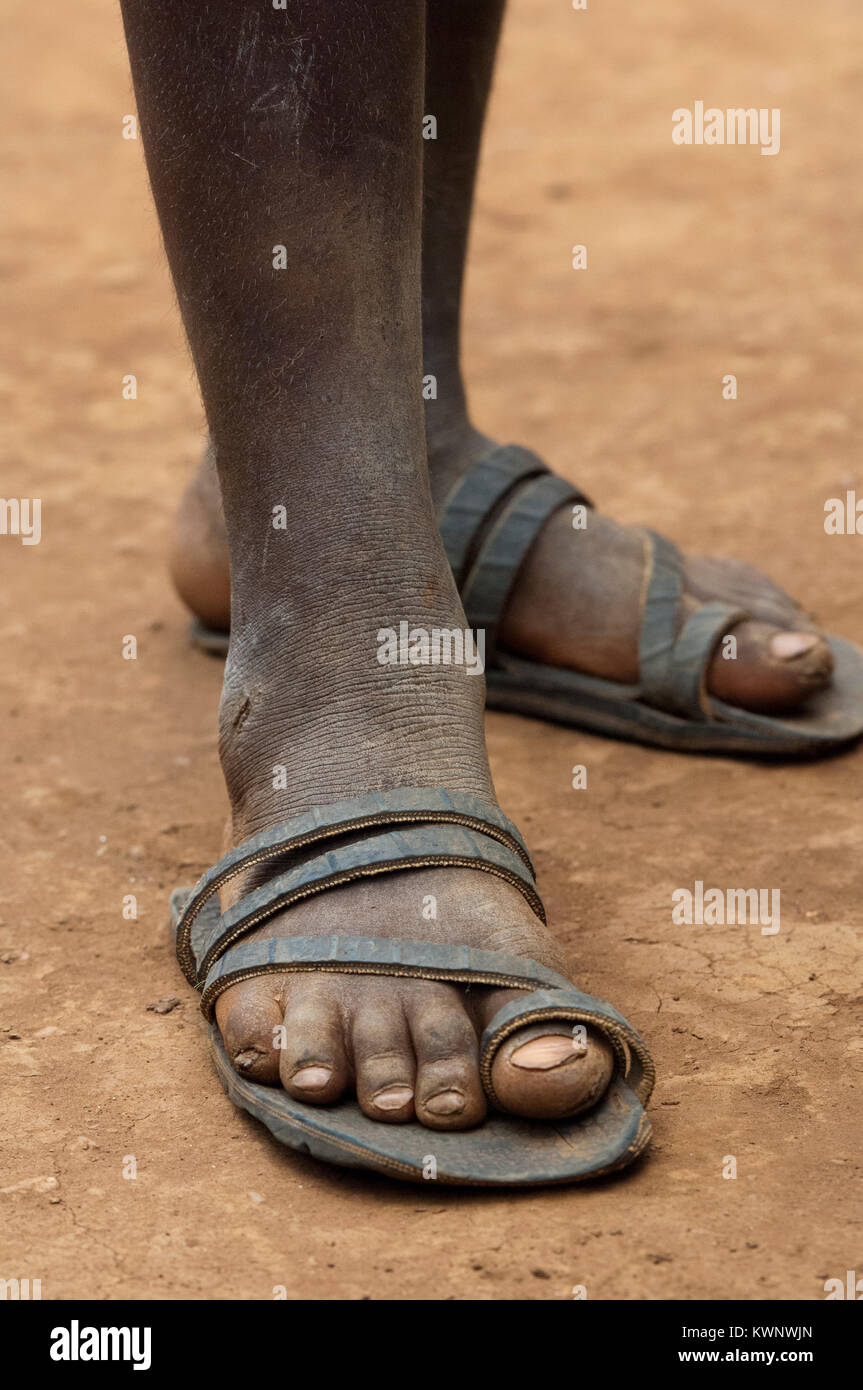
x=393, y=1097
x=787, y=645
x=540, y=1054
x=445, y=1103
x=247, y=1059
x=312, y=1078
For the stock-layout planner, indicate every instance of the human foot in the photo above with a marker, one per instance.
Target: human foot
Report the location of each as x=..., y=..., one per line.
x=407, y=1047
x=576, y=603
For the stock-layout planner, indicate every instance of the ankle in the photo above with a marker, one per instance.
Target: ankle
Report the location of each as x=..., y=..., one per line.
x=299, y=731
x=453, y=445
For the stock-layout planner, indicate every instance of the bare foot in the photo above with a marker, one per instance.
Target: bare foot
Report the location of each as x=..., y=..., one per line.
x=340, y=724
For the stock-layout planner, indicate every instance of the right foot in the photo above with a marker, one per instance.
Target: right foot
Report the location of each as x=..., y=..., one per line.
x=341, y=724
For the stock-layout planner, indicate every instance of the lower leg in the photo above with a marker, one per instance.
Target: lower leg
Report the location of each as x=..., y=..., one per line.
x=301, y=129
x=462, y=40
x=577, y=602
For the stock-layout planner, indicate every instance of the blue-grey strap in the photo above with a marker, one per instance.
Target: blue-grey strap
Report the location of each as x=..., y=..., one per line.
x=475, y=496
x=547, y=994
x=690, y=657
x=659, y=618
x=416, y=847
x=502, y=550
x=377, y=956
x=375, y=810
x=570, y=1005
x=672, y=667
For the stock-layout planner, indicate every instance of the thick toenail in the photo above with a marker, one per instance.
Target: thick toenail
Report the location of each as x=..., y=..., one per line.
x=247, y=1059
x=445, y=1103
x=540, y=1054
x=787, y=645
x=312, y=1078
x=393, y=1097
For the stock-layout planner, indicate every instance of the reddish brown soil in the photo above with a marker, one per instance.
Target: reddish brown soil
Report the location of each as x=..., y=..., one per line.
x=701, y=262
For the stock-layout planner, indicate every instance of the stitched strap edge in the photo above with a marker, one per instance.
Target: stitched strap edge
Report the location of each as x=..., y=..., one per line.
x=377, y=956
x=401, y=805
x=503, y=550
x=415, y=847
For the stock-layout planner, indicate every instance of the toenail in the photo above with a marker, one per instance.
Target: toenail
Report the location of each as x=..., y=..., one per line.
x=787, y=645
x=540, y=1054
x=445, y=1103
x=393, y=1097
x=311, y=1078
x=247, y=1059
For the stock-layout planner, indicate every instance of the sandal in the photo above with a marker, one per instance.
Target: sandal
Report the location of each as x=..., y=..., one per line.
x=488, y=524
x=379, y=833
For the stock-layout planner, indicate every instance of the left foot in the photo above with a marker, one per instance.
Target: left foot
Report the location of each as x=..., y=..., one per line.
x=577, y=600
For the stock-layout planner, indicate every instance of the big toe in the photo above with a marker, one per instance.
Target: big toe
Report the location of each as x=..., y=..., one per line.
x=547, y=1072
x=769, y=668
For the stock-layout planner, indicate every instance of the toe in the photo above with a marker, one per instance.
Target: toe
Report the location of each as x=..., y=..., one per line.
x=449, y=1092
x=768, y=667
x=711, y=577
x=547, y=1071
x=249, y=1015
x=384, y=1063
x=313, y=1058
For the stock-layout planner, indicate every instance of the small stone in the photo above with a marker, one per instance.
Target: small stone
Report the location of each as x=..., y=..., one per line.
x=256, y=1197
x=540, y=1274
x=164, y=1006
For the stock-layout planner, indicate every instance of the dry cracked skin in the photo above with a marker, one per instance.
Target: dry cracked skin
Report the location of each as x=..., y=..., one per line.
x=613, y=376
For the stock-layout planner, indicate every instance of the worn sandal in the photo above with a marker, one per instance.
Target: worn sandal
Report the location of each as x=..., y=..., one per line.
x=489, y=522
x=386, y=832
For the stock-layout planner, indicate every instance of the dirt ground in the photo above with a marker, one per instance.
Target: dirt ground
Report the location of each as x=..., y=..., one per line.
x=701, y=262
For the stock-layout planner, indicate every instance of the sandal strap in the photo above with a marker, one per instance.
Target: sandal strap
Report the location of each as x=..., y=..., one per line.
x=659, y=619
x=690, y=657
x=672, y=666
x=475, y=496
x=548, y=995
x=377, y=956
x=570, y=1005
x=427, y=846
x=503, y=549
x=400, y=806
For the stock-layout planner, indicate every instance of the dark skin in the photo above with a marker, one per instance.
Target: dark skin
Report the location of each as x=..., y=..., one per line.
x=301, y=128
x=576, y=602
